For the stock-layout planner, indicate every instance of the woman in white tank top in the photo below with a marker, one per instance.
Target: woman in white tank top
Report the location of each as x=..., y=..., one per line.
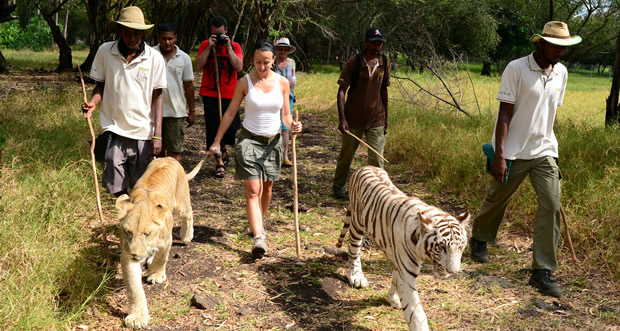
x=258, y=152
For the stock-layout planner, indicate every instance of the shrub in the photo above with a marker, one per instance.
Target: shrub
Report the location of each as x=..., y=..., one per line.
x=37, y=35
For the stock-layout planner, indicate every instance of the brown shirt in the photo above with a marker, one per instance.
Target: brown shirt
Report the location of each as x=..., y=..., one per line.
x=364, y=108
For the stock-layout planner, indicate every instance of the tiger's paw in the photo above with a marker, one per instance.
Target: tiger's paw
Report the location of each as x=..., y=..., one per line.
x=357, y=279
x=394, y=299
x=137, y=320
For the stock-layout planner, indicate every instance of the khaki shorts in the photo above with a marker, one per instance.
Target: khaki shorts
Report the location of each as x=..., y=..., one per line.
x=258, y=157
x=173, y=134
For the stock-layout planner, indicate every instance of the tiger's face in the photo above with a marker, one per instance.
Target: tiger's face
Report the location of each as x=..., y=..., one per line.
x=444, y=242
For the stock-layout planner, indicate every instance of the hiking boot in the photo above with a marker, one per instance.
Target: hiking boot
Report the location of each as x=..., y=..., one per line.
x=541, y=279
x=260, y=246
x=479, y=250
x=340, y=193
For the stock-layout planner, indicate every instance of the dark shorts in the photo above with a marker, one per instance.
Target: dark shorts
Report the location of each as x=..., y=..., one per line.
x=125, y=162
x=258, y=157
x=173, y=134
x=212, y=121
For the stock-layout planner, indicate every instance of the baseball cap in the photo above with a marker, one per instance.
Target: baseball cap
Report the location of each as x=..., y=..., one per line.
x=374, y=34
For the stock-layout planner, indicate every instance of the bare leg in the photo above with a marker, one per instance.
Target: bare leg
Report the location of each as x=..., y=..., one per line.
x=253, y=204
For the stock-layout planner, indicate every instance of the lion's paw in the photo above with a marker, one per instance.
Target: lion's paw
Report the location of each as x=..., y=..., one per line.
x=137, y=320
x=357, y=279
x=157, y=278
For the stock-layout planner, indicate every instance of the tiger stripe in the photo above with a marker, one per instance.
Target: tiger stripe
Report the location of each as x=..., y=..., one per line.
x=407, y=230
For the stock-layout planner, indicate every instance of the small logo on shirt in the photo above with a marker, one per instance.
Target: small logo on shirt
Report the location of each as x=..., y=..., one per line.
x=143, y=69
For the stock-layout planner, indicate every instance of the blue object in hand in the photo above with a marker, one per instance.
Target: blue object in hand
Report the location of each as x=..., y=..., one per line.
x=490, y=153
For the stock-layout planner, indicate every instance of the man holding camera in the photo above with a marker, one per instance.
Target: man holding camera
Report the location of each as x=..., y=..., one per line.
x=229, y=58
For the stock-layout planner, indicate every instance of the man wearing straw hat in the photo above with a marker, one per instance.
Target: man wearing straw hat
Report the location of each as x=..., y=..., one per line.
x=229, y=58
x=132, y=74
x=366, y=76
x=524, y=144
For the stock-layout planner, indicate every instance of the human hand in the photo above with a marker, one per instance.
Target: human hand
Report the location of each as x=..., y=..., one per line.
x=212, y=40
x=191, y=118
x=296, y=127
x=499, y=171
x=343, y=126
x=215, y=150
x=156, y=149
x=88, y=108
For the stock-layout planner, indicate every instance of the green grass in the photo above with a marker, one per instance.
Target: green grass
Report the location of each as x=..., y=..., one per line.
x=47, y=60
x=47, y=263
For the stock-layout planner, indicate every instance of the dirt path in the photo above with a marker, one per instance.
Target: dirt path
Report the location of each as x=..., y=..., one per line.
x=280, y=292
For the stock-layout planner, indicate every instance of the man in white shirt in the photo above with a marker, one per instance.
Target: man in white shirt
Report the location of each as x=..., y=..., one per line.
x=132, y=74
x=532, y=88
x=179, y=94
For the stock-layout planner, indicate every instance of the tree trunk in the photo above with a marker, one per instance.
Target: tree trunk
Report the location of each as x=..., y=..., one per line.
x=64, y=56
x=3, y=68
x=97, y=11
x=486, y=69
x=612, y=114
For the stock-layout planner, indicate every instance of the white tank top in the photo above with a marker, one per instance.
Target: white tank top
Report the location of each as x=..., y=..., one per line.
x=262, y=110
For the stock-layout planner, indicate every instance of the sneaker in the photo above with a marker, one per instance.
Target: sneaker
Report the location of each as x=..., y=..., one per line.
x=541, y=279
x=260, y=246
x=479, y=250
x=340, y=193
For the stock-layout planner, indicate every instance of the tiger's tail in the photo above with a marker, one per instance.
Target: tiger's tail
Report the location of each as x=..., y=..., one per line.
x=345, y=228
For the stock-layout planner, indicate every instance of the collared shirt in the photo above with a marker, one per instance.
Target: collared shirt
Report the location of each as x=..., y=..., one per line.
x=178, y=70
x=536, y=98
x=128, y=90
x=364, y=107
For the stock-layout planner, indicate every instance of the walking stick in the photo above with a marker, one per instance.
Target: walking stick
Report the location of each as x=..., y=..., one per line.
x=570, y=242
x=295, y=194
x=365, y=144
x=217, y=81
x=94, y=168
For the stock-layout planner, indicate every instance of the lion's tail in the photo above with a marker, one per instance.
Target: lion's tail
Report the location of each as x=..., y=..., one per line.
x=195, y=171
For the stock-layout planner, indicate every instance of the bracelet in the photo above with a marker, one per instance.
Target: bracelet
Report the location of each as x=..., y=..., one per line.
x=158, y=138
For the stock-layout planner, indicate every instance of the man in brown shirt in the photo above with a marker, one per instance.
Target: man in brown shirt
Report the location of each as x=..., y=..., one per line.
x=366, y=76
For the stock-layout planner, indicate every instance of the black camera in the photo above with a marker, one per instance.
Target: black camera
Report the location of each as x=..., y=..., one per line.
x=219, y=38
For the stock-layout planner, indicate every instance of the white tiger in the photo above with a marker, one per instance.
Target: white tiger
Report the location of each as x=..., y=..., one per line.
x=407, y=230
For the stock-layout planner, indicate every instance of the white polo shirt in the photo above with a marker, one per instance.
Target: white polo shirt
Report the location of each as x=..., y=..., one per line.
x=128, y=92
x=535, y=98
x=178, y=70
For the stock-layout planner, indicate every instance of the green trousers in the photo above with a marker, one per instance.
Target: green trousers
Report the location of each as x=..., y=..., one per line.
x=375, y=137
x=545, y=178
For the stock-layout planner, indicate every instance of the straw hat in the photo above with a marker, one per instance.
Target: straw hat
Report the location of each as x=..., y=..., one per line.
x=284, y=42
x=556, y=33
x=130, y=17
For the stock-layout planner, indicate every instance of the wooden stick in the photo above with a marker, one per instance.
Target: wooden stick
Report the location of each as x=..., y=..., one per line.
x=217, y=81
x=295, y=192
x=570, y=242
x=365, y=144
x=94, y=168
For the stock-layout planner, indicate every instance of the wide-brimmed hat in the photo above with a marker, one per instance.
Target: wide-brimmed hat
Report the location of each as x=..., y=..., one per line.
x=284, y=42
x=556, y=32
x=132, y=18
